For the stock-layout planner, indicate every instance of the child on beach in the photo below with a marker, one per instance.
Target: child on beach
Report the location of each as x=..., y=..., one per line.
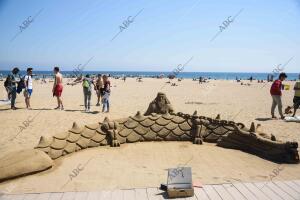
x=28, y=87
x=106, y=93
x=276, y=93
x=58, y=88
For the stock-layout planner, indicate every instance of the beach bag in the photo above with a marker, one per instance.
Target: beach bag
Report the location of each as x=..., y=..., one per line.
x=21, y=85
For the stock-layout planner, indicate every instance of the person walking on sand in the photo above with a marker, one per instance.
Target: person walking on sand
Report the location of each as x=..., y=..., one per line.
x=28, y=87
x=58, y=88
x=87, y=83
x=99, y=89
x=276, y=94
x=106, y=94
x=12, y=79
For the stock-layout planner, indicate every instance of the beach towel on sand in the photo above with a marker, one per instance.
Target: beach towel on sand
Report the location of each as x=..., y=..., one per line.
x=292, y=119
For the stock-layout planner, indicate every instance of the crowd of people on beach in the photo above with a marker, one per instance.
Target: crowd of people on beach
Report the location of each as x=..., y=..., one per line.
x=102, y=88
x=15, y=84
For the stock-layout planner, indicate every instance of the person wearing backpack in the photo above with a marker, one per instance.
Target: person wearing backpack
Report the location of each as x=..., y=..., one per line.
x=12, y=79
x=87, y=83
x=87, y=92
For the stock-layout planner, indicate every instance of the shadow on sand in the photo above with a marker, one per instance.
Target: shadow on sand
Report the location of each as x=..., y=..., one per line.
x=92, y=112
x=264, y=119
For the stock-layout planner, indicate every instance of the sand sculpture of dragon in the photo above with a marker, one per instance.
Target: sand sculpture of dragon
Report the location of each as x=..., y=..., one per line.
x=159, y=123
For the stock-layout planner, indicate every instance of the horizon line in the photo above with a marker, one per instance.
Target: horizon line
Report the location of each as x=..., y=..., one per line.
x=153, y=71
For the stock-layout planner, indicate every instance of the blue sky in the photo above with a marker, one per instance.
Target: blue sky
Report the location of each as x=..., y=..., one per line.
x=165, y=34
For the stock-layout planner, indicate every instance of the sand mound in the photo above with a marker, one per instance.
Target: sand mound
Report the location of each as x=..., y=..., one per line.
x=23, y=162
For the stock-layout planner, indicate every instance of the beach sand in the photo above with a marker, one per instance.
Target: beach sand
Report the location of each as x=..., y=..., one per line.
x=144, y=164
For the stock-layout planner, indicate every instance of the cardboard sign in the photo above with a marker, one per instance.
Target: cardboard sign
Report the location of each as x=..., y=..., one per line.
x=180, y=182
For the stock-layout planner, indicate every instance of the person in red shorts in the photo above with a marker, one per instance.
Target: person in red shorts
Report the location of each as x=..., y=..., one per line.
x=58, y=88
x=276, y=93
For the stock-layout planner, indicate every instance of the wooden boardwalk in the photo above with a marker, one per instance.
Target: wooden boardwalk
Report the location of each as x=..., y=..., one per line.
x=276, y=190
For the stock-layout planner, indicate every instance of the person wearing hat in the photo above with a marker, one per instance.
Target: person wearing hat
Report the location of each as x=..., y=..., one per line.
x=276, y=94
x=28, y=87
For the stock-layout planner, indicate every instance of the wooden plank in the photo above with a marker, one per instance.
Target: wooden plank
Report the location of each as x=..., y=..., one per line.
x=153, y=194
x=200, y=194
x=16, y=196
x=105, y=194
x=129, y=194
x=279, y=191
x=243, y=189
x=4, y=197
x=117, y=195
x=297, y=182
x=160, y=194
x=293, y=185
x=211, y=192
x=287, y=189
x=263, y=186
x=222, y=192
x=68, y=196
x=80, y=195
x=43, y=196
x=55, y=196
x=93, y=195
x=31, y=196
x=256, y=191
x=234, y=192
x=191, y=198
x=141, y=194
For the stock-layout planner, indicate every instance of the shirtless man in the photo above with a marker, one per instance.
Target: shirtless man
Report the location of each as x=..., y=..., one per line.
x=58, y=88
x=99, y=89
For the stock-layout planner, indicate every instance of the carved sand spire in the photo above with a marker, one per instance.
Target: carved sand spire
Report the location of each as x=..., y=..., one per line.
x=105, y=120
x=44, y=142
x=252, y=128
x=75, y=128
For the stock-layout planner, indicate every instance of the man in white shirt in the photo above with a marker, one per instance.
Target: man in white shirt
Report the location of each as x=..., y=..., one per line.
x=28, y=87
